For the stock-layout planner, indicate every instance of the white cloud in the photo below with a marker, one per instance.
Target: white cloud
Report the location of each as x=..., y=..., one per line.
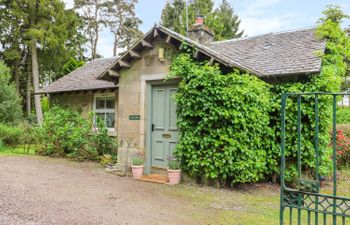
x=260, y=17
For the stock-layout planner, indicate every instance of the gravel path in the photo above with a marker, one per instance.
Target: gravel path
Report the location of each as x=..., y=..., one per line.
x=36, y=190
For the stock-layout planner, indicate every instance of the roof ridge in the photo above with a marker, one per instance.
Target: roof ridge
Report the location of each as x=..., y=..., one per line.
x=212, y=51
x=260, y=35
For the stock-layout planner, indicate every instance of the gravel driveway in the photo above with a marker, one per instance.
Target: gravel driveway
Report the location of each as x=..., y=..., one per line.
x=37, y=190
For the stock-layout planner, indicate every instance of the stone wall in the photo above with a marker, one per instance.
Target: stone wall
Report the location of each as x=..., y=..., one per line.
x=132, y=98
x=84, y=103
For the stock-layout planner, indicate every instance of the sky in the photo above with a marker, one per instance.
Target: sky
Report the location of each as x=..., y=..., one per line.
x=257, y=16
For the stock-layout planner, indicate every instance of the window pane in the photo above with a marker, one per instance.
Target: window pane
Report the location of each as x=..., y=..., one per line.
x=100, y=103
x=110, y=120
x=110, y=103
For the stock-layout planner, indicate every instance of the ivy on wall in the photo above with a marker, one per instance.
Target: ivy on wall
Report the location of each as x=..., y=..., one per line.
x=230, y=123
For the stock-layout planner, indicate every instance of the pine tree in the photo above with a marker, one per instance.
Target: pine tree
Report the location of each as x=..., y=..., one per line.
x=227, y=23
x=123, y=23
x=93, y=12
x=222, y=20
x=42, y=29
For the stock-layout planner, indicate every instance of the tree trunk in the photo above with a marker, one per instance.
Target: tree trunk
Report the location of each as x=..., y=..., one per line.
x=115, y=47
x=16, y=75
x=29, y=82
x=94, y=49
x=35, y=72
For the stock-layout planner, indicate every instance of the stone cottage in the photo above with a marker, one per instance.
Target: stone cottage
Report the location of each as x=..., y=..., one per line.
x=132, y=96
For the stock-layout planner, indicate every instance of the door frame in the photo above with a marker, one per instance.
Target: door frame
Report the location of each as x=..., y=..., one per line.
x=149, y=102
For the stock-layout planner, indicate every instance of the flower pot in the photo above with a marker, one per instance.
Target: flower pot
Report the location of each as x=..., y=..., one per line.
x=137, y=171
x=174, y=176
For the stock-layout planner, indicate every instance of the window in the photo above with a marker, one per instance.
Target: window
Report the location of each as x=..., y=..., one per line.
x=104, y=108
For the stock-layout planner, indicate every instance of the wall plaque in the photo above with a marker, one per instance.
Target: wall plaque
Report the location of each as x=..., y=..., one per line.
x=134, y=117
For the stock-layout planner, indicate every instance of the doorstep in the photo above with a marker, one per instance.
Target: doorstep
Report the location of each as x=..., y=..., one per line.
x=154, y=178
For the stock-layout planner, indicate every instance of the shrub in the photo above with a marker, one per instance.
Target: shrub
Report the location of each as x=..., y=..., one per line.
x=64, y=133
x=343, y=149
x=343, y=115
x=101, y=141
x=10, y=134
x=10, y=101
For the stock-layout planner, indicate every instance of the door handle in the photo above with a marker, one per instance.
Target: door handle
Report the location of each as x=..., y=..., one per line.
x=152, y=127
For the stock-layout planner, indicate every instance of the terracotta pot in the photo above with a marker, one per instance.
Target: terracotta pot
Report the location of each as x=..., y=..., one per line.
x=137, y=171
x=174, y=176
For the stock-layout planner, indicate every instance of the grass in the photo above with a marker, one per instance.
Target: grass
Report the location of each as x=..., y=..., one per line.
x=18, y=150
x=343, y=115
x=247, y=204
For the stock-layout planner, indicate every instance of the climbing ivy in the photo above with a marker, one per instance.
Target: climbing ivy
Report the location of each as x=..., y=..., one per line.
x=230, y=123
x=224, y=122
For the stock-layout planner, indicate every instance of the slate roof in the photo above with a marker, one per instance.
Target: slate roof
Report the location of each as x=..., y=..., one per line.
x=290, y=52
x=273, y=54
x=83, y=78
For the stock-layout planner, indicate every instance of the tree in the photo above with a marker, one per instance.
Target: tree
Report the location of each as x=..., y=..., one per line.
x=174, y=17
x=225, y=23
x=93, y=13
x=123, y=23
x=221, y=20
x=10, y=101
x=37, y=35
x=71, y=65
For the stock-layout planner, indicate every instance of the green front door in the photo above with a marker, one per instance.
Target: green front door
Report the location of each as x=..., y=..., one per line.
x=164, y=130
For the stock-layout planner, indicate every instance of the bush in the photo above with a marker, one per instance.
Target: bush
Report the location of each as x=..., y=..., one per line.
x=101, y=141
x=10, y=101
x=64, y=132
x=343, y=149
x=343, y=115
x=20, y=134
x=10, y=135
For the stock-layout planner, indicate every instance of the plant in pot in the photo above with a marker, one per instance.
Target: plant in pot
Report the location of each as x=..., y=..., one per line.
x=137, y=164
x=174, y=171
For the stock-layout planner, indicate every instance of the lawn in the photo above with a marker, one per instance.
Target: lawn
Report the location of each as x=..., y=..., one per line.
x=18, y=150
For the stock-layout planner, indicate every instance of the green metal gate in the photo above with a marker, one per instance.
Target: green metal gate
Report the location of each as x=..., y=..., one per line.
x=304, y=204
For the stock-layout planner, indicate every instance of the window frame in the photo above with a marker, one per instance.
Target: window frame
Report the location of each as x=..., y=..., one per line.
x=105, y=96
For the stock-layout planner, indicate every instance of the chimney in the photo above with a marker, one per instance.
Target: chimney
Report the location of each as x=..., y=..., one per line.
x=200, y=33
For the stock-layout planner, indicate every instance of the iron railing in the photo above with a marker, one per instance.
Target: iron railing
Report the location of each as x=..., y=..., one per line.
x=305, y=200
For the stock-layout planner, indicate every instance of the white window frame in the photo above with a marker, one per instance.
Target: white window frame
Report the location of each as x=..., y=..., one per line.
x=106, y=96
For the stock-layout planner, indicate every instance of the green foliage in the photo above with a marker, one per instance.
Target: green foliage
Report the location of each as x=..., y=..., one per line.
x=101, y=141
x=20, y=134
x=63, y=132
x=230, y=124
x=174, y=164
x=221, y=20
x=343, y=115
x=138, y=159
x=71, y=65
x=9, y=134
x=10, y=101
x=66, y=133
x=223, y=122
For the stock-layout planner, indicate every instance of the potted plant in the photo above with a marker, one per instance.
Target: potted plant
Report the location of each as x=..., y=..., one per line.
x=174, y=171
x=137, y=164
